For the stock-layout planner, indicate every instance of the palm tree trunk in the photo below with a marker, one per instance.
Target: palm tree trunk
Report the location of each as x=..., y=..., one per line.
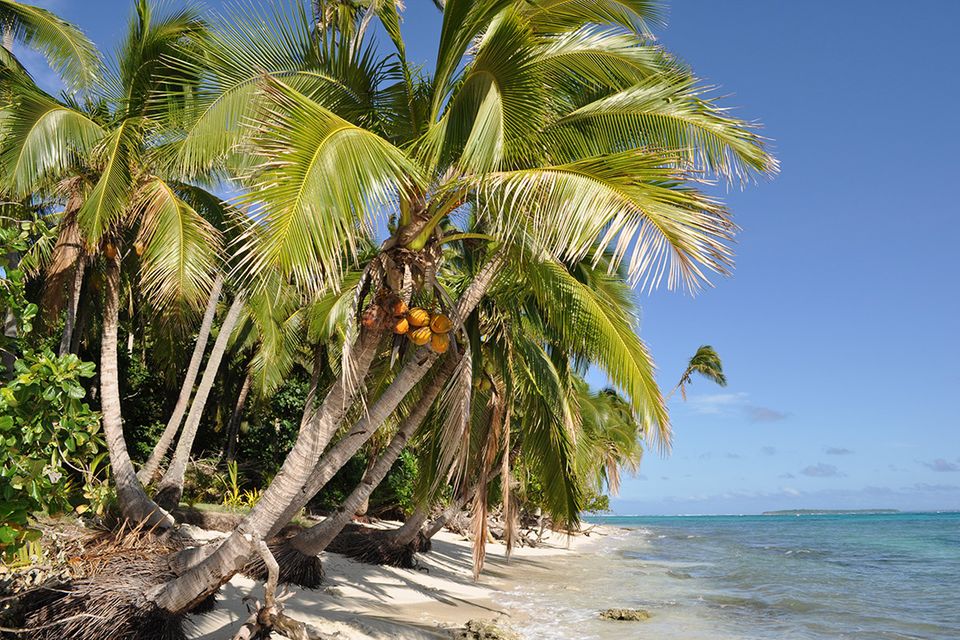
x=233, y=427
x=315, y=539
x=73, y=304
x=234, y=553
x=149, y=470
x=170, y=488
x=134, y=503
x=408, y=531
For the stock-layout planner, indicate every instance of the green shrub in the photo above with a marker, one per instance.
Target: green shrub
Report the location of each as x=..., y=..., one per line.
x=51, y=449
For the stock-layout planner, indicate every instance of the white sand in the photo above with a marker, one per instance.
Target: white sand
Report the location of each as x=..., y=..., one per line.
x=362, y=602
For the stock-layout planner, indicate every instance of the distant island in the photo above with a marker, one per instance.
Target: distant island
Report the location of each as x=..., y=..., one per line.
x=829, y=512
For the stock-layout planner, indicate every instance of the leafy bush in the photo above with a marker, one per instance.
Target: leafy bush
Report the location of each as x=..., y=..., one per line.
x=50, y=444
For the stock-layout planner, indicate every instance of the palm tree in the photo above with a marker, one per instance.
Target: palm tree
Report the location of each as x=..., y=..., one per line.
x=705, y=362
x=132, y=217
x=569, y=133
x=524, y=126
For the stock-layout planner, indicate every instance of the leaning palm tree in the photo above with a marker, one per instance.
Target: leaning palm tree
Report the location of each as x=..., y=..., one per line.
x=132, y=217
x=568, y=132
x=705, y=362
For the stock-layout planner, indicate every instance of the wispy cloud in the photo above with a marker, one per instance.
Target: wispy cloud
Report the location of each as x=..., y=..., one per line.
x=942, y=466
x=731, y=403
x=838, y=451
x=821, y=470
x=768, y=451
x=787, y=476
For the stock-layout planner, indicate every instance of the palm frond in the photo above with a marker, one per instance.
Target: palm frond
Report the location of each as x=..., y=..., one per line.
x=180, y=249
x=70, y=53
x=322, y=184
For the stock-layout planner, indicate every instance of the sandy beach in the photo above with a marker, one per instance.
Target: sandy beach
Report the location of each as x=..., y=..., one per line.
x=361, y=602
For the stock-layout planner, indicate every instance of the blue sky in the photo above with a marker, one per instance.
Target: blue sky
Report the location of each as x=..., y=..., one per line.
x=838, y=329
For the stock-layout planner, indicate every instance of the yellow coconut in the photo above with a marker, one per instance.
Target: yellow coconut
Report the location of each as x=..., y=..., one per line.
x=138, y=247
x=440, y=342
x=110, y=250
x=402, y=326
x=420, y=336
x=418, y=317
x=440, y=323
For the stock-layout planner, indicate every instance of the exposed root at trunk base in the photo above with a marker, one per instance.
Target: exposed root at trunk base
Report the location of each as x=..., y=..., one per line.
x=378, y=546
x=295, y=567
x=268, y=617
x=108, y=606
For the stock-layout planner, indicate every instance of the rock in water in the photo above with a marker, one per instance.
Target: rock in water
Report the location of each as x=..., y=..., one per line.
x=483, y=630
x=636, y=615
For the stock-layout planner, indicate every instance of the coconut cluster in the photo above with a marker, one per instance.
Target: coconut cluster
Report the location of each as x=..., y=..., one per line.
x=421, y=326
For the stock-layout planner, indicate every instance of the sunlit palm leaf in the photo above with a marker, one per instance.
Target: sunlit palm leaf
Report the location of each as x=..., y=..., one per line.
x=629, y=204
x=70, y=53
x=110, y=197
x=180, y=249
x=325, y=183
x=41, y=139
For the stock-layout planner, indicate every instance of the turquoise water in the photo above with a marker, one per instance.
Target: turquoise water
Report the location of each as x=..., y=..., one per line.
x=876, y=577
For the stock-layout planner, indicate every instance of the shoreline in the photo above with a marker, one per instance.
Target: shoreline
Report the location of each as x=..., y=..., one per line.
x=364, y=602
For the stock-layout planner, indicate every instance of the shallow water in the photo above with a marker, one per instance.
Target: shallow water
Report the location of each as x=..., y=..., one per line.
x=859, y=577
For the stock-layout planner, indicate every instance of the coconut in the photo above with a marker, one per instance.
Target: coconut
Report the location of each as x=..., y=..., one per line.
x=440, y=323
x=418, y=317
x=399, y=307
x=420, y=336
x=401, y=327
x=440, y=342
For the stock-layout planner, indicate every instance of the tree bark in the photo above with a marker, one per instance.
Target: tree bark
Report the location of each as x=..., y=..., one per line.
x=233, y=427
x=315, y=539
x=134, y=503
x=234, y=553
x=149, y=470
x=73, y=304
x=170, y=488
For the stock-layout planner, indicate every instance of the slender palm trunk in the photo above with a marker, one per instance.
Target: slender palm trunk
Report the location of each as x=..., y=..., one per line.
x=407, y=532
x=73, y=304
x=315, y=539
x=234, y=553
x=149, y=470
x=233, y=427
x=170, y=488
x=134, y=503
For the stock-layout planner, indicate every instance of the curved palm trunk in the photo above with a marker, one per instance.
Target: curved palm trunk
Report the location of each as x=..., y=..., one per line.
x=315, y=539
x=170, y=488
x=134, y=503
x=233, y=554
x=233, y=427
x=268, y=516
x=149, y=470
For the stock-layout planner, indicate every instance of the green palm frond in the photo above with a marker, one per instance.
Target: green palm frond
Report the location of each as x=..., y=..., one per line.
x=69, y=52
x=110, y=197
x=324, y=183
x=629, y=203
x=705, y=362
x=637, y=16
x=671, y=114
x=601, y=330
x=180, y=249
x=42, y=138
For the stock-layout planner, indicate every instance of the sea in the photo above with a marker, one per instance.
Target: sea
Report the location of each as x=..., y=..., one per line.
x=805, y=577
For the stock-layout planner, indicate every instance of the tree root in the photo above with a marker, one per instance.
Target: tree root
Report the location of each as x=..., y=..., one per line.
x=295, y=567
x=378, y=546
x=268, y=617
